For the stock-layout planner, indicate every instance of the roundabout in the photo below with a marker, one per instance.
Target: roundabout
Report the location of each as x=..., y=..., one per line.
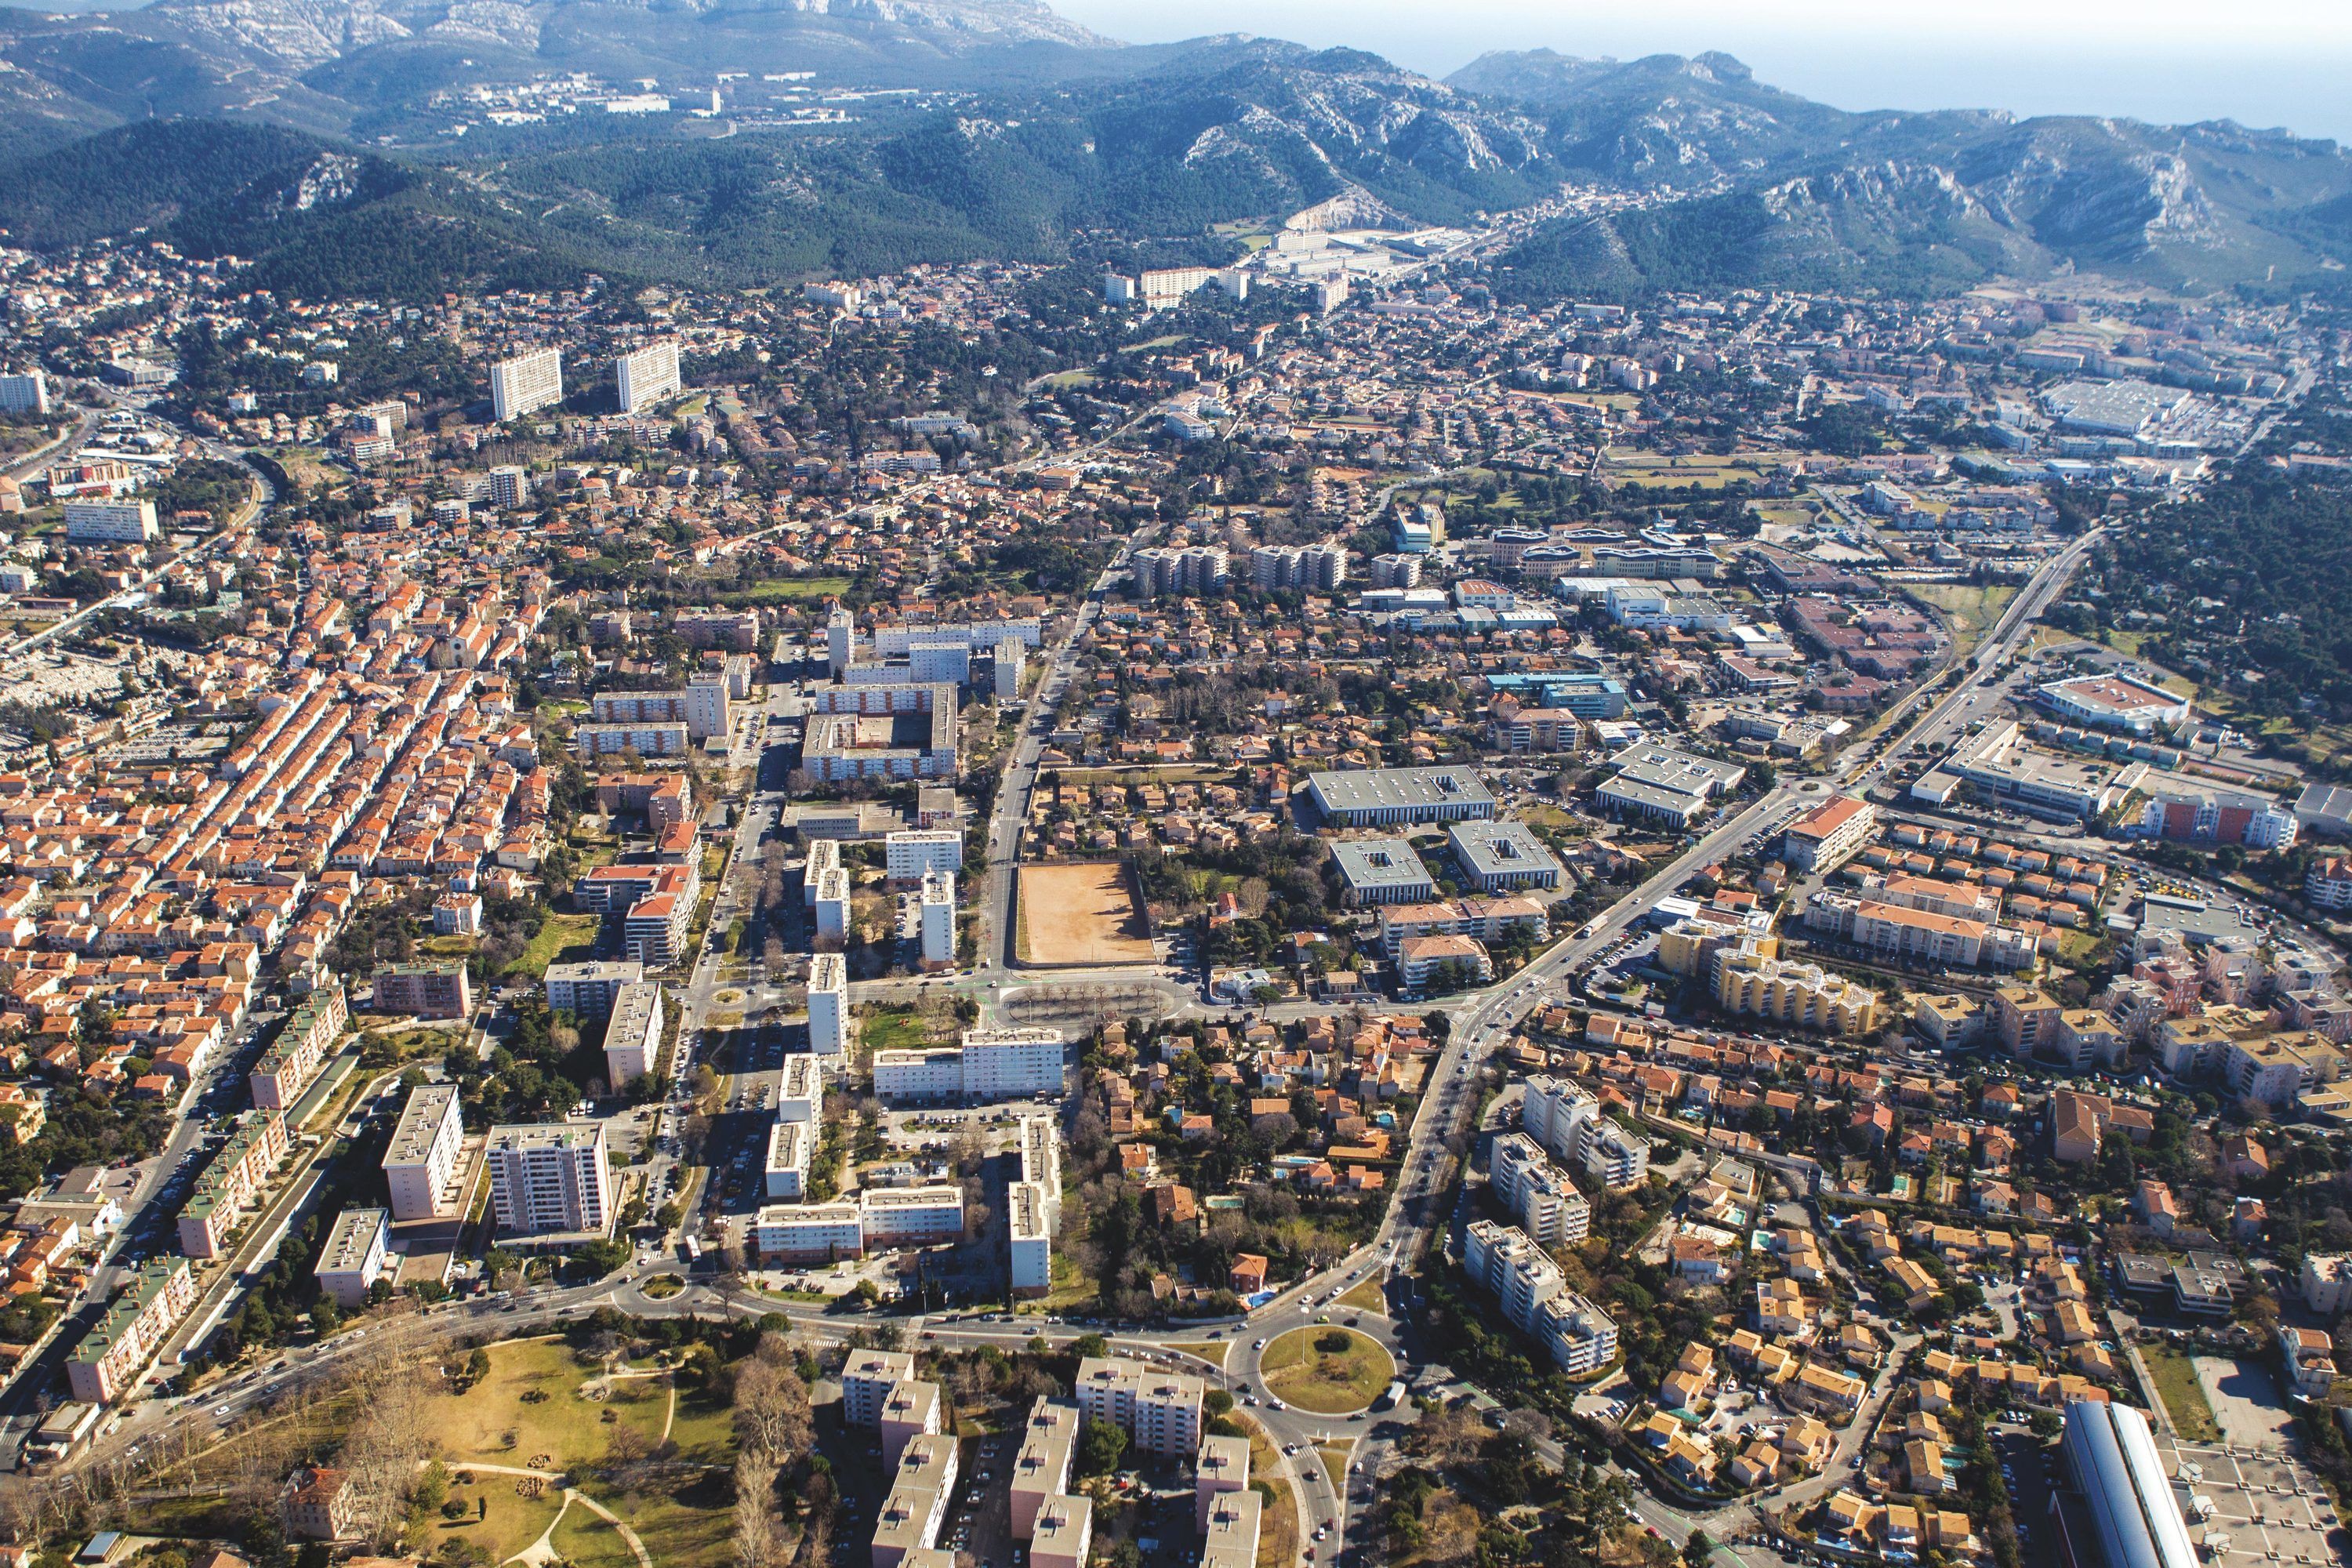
x=1325, y=1370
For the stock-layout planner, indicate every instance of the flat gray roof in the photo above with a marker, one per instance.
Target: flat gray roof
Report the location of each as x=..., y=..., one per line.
x=1380, y=863
x=1372, y=788
x=1500, y=849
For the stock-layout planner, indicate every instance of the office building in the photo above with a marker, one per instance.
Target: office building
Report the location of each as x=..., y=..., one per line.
x=588, y=990
x=1382, y=871
x=111, y=521
x=866, y=1379
x=1377, y=797
x=420, y=1164
x=550, y=1179
x=1040, y=1470
x=525, y=384
x=790, y=1145
x=1160, y=1410
x=633, y=1037
x=647, y=376
x=356, y=1254
x=1661, y=784
x=828, y=1004
x=1502, y=856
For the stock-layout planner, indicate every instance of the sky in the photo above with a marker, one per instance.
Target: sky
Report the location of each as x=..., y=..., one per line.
x=2260, y=62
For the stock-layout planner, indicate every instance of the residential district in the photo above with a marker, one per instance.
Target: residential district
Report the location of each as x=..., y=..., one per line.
x=1254, y=916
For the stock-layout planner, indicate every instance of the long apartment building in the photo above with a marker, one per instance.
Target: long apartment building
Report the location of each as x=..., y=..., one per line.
x=880, y=1217
x=705, y=706
x=990, y=1064
x=292, y=1060
x=420, y=1164
x=922, y=1483
x=125, y=1339
x=357, y=1252
x=1580, y=1336
x=1160, y=1410
x=789, y=1146
x=1748, y=980
x=234, y=1178
x=866, y=1379
x=1886, y=927
x=632, y=1035
x=1230, y=1523
x=1566, y=1119
x=1539, y=1193
x=526, y=383
x=588, y=989
x=1040, y=1470
x=1034, y=1197
x=550, y=1179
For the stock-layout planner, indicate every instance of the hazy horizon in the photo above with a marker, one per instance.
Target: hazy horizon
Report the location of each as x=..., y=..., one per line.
x=2269, y=64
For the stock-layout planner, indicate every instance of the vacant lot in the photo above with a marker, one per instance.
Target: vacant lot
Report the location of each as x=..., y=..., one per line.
x=1081, y=916
x=2184, y=1400
x=1329, y=1370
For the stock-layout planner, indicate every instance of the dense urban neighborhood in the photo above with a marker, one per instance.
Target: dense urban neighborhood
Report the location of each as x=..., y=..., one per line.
x=1278, y=902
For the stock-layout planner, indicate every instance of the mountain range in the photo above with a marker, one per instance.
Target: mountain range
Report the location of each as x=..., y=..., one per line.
x=319, y=134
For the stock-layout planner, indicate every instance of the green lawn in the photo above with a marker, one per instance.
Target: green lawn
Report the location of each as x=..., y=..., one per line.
x=1301, y=1371
x=564, y=938
x=894, y=1032
x=531, y=1411
x=1972, y=609
x=512, y=1522
x=2183, y=1395
x=1367, y=1295
x=586, y=1541
x=769, y=590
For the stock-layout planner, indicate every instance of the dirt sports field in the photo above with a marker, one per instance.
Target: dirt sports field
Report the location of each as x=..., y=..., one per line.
x=1080, y=916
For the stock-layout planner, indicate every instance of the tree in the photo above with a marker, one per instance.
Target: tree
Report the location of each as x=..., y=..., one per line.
x=1697, y=1549
x=1100, y=1447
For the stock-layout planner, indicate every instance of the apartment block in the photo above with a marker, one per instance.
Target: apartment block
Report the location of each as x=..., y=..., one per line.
x=1160, y=1410
x=1222, y=1469
x=1040, y=1470
x=1830, y=835
x=233, y=1179
x=550, y=1179
x=526, y=383
x=645, y=376
x=119, y=1346
x=588, y=990
x=800, y=1088
x=790, y=1145
x=1230, y=1522
x=420, y=1164
x=828, y=1004
x=866, y=1379
x=425, y=990
x=287, y=1067
x=921, y=1486
x=1064, y=1534
x=910, y=1410
x=633, y=1036
x=909, y=856
x=356, y=1254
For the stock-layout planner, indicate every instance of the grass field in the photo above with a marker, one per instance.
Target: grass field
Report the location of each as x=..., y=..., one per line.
x=510, y=1521
x=531, y=1410
x=1972, y=608
x=1300, y=1372
x=1081, y=915
x=894, y=1032
x=2184, y=1398
x=1211, y=1351
x=564, y=938
x=770, y=590
x=586, y=1541
x=1366, y=1295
